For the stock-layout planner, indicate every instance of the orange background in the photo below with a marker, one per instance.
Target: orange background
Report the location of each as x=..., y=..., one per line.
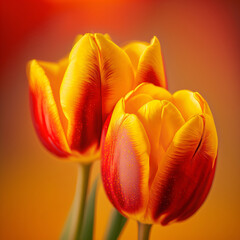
x=200, y=44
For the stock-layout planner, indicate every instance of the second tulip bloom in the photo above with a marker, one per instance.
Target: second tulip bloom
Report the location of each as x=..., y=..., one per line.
x=159, y=154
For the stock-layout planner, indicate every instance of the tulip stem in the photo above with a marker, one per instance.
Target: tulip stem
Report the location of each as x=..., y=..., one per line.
x=74, y=223
x=143, y=231
x=80, y=197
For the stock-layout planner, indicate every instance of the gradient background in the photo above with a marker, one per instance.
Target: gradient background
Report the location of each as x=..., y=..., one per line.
x=200, y=44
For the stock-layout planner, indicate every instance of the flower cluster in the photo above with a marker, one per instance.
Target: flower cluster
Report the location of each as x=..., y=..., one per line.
x=159, y=154
x=158, y=150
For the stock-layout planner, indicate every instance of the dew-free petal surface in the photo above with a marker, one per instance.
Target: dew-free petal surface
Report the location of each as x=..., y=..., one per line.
x=166, y=188
x=134, y=51
x=80, y=96
x=186, y=103
x=116, y=72
x=155, y=92
x=125, y=168
x=151, y=67
x=44, y=110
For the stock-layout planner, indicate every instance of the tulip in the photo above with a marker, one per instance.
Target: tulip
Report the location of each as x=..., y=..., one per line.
x=70, y=100
x=159, y=154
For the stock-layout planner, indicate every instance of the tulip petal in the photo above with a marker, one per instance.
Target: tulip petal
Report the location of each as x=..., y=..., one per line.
x=151, y=66
x=136, y=102
x=150, y=116
x=204, y=105
x=199, y=195
x=134, y=51
x=77, y=38
x=110, y=130
x=80, y=96
x=125, y=166
x=187, y=104
x=117, y=75
x=155, y=92
x=133, y=164
x=55, y=73
x=197, y=178
x=172, y=120
x=165, y=190
x=44, y=109
x=107, y=36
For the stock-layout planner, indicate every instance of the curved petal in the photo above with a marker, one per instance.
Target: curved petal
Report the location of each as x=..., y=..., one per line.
x=118, y=114
x=150, y=116
x=134, y=51
x=203, y=104
x=116, y=73
x=169, y=187
x=110, y=130
x=197, y=177
x=80, y=96
x=125, y=166
x=199, y=195
x=187, y=104
x=136, y=102
x=55, y=73
x=151, y=66
x=77, y=38
x=155, y=92
x=172, y=120
x=107, y=36
x=44, y=109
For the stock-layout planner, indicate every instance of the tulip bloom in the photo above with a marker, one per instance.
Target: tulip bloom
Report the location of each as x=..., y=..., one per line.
x=70, y=100
x=159, y=154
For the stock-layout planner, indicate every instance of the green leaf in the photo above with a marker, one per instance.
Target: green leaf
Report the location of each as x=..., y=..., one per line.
x=88, y=221
x=115, y=225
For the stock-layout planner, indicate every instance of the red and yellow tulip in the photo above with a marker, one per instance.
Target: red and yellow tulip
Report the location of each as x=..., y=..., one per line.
x=71, y=99
x=159, y=154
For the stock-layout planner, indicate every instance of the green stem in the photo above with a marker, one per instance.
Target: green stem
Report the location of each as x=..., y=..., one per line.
x=79, y=202
x=89, y=212
x=143, y=231
x=115, y=225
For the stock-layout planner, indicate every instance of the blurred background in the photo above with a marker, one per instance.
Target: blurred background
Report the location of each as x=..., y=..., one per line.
x=200, y=44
